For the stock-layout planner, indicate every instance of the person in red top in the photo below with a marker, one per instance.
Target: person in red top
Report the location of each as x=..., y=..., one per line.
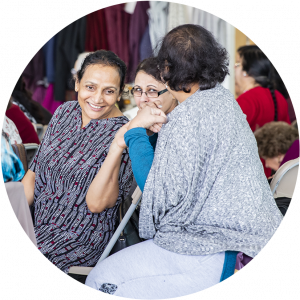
x=254, y=85
x=24, y=126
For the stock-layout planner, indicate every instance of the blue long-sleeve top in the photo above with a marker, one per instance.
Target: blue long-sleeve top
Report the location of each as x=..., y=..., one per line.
x=141, y=152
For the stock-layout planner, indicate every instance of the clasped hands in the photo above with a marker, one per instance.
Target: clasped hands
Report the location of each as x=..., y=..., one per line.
x=149, y=116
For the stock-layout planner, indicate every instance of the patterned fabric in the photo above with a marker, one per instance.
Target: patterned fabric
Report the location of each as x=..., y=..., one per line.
x=108, y=288
x=67, y=161
x=11, y=130
x=12, y=167
x=206, y=191
x=25, y=111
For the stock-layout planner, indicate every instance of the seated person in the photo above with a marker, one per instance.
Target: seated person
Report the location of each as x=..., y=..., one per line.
x=33, y=110
x=23, y=124
x=79, y=175
x=11, y=130
x=205, y=195
x=277, y=142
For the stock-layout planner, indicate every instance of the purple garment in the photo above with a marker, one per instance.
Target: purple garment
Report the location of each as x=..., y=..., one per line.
x=292, y=153
x=138, y=24
x=49, y=102
x=39, y=94
x=117, y=25
x=145, y=46
x=242, y=260
x=34, y=71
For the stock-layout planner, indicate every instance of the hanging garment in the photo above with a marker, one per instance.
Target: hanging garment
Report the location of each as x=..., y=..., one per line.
x=212, y=23
x=130, y=7
x=96, y=33
x=117, y=24
x=177, y=15
x=33, y=74
x=145, y=45
x=49, y=102
x=138, y=24
x=49, y=56
x=70, y=42
x=158, y=20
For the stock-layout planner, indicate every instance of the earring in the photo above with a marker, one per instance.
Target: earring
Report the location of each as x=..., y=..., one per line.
x=244, y=74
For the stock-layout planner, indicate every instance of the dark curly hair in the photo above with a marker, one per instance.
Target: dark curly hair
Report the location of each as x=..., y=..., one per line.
x=190, y=54
x=149, y=66
x=257, y=65
x=275, y=138
x=107, y=58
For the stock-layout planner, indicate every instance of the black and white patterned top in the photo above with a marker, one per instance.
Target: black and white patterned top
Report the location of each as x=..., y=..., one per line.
x=66, y=163
x=24, y=110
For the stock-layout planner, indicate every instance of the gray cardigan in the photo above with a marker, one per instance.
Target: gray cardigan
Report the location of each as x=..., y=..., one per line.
x=206, y=191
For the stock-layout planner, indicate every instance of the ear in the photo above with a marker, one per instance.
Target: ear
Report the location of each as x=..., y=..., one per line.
x=76, y=84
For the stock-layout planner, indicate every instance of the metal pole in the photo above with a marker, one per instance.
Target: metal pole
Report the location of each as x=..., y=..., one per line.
x=119, y=230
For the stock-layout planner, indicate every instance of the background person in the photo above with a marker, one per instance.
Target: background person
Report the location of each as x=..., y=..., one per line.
x=259, y=101
x=277, y=142
x=23, y=124
x=79, y=176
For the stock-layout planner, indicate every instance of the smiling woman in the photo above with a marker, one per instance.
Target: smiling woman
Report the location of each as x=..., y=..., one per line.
x=80, y=174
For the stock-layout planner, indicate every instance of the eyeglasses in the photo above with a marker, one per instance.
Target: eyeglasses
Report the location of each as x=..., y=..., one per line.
x=237, y=65
x=137, y=92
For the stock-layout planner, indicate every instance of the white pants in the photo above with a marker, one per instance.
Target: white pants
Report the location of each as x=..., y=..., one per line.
x=146, y=271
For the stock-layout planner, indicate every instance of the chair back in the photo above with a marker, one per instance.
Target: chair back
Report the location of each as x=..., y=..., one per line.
x=25, y=152
x=284, y=181
x=20, y=151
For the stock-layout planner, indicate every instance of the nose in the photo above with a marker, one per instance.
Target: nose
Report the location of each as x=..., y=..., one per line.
x=98, y=97
x=144, y=98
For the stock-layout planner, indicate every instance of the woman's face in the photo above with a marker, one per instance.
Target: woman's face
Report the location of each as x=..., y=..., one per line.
x=146, y=83
x=239, y=78
x=98, y=92
x=274, y=162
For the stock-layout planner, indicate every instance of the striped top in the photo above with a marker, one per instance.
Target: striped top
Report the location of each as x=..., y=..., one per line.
x=66, y=163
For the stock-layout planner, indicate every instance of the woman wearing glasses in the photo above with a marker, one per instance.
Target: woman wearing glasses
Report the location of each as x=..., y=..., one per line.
x=205, y=196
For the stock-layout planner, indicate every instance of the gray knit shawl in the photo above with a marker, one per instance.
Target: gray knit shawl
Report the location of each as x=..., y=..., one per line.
x=206, y=191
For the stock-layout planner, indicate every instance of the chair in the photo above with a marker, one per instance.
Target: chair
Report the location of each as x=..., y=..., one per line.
x=25, y=152
x=135, y=195
x=283, y=184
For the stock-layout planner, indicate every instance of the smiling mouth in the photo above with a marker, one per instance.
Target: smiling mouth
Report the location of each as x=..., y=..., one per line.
x=95, y=107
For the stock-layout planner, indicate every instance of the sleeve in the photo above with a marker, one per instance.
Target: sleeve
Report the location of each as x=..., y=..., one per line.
x=46, y=139
x=141, y=153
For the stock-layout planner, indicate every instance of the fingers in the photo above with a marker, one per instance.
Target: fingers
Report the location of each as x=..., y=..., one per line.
x=157, y=112
x=156, y=103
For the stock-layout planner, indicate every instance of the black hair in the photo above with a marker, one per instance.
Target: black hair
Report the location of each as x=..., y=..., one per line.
x=258, y=66
x=190, y=54
x=107, y=58
x=280, y=86
x=23, y=96
x=149, y=66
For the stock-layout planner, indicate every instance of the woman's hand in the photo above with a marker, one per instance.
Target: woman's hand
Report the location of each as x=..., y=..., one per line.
x=155, y=127
x=119, y=137
x=149, y=117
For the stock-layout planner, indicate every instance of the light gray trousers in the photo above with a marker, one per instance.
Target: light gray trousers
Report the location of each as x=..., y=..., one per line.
x=146, y=271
